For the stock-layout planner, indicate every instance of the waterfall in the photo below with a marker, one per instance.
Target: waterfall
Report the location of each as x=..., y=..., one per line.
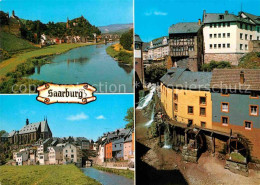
x=145, y=101
x=148, y=123
x=167, y=144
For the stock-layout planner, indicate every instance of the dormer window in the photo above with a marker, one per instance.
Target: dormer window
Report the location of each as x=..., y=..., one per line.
x=221, y=16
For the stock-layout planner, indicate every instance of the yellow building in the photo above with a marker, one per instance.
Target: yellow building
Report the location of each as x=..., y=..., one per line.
x=186, y=97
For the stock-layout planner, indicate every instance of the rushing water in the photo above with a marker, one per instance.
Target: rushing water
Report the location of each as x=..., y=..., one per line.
x=106, y=178
x=145, y=100
x=148, y=123
x=88, y=64
x=167, y=144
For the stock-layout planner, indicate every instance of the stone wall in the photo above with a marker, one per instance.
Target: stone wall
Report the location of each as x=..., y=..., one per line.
x=254, y=45
x=189, y=154
x=232, y=58
x=238, y=168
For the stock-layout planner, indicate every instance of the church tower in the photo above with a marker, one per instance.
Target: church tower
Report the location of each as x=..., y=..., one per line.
x=67, y=25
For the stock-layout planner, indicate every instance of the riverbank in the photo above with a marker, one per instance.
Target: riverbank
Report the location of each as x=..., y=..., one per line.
x=121, y=55
x=13, y=71
x=10, y=64
x=45, y=174
x=126, y=173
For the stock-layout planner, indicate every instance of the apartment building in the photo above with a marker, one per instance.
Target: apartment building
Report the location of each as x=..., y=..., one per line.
x=227, y=36
x=158, y=49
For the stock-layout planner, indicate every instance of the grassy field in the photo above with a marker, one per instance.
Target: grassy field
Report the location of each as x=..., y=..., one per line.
x=9, y=65
x=126, y=173
x=11, y=43
x=120, y=54
x=44, y=175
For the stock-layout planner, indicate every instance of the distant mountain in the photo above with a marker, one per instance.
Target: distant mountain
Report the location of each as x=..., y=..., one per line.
x=115, y=28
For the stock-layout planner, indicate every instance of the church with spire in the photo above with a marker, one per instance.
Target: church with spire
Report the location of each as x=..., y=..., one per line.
x=30, y=133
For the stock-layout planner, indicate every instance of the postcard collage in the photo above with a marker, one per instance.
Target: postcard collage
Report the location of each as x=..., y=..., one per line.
x=125, y=92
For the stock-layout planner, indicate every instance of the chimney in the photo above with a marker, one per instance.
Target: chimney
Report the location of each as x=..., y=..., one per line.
x=199, y=22
x=27, y=121
x=242, y=77
x=226, y=12
x=204, y=15
x=13, y=13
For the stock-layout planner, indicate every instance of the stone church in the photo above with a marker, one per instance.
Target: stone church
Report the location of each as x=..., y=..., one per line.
x=30, y=133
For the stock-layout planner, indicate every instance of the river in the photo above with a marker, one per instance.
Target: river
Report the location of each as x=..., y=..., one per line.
x=88, y=64
x=106, y=178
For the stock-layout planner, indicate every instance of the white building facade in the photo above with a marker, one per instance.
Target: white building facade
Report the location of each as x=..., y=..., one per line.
x=158, y=49
x=227, y=36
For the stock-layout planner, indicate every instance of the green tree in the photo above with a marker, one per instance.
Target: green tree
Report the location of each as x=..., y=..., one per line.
x=129, y=118
x=213, y=64
x=126, y=40
x=153, y=73
x=2, y=132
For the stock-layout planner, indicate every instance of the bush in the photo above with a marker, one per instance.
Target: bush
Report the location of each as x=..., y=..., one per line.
x=213, y=64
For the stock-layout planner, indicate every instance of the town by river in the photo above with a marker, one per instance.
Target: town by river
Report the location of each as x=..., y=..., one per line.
x=88, y=64
x=106, y=178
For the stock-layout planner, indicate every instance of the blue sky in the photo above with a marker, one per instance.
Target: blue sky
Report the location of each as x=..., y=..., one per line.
x=154, y=17
x=90, y=121
x=98, y=12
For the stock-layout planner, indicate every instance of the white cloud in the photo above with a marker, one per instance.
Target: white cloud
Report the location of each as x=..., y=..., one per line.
x=155, y=12
x=100, y=117
x=77, y=117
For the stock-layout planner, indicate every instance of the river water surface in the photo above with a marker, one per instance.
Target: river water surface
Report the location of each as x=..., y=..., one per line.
x=88, y=64
x=106, y=178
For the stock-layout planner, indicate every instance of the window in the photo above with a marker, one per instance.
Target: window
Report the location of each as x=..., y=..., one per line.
x=228, y=45
x=219, y=25
x=219, y=45
x=190, y=109
x=176, y=107
x=203, y=124
x=241, y=46
x=66, y=151
x=219, y=35
x=72, y=156
x=251, y=37
x=241, y=36
x=246, y=27
x=224, y=93
x=215, y=35
x=248, y=125
x=245, y=36
x=241, y=25
x=224, y=107
x=224, y=120
x=246, y=48
x=224, y=35
x=175, y=97
x=210, y=46
x=228, y=24
x=254, y=95
x=224, y=24
x=202, y=111
x=190, y=122
x=215, y=25
x=253, y=110
x=221, y=16
x=210, y=35
x=224, y=45
x=215, y=46
x=72, y=151
x=210, y=25
x=203, y=101
x=228, y=35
